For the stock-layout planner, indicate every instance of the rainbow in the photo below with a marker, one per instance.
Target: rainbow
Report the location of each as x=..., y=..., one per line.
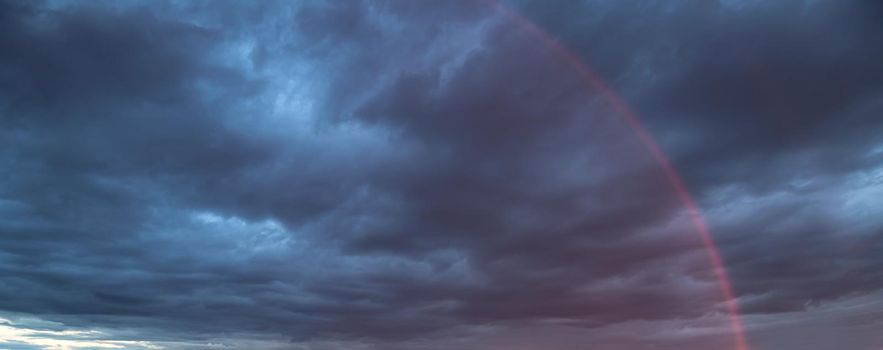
x=594, y=83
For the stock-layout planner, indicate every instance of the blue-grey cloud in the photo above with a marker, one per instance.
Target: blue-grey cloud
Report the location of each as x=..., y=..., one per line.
x=404, y=175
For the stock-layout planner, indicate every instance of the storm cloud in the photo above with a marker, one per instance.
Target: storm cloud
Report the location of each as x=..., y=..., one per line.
x=421, y=175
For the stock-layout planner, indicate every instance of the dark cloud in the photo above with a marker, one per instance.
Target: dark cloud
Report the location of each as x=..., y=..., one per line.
x=411, y=175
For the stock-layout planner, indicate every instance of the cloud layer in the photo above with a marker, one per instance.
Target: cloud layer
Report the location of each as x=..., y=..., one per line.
x=412, y=175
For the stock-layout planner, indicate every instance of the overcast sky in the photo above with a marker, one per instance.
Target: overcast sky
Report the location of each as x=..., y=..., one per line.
x=439, y=175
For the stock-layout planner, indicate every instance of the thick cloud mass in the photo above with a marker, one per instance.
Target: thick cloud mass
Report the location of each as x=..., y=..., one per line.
x=421, y=175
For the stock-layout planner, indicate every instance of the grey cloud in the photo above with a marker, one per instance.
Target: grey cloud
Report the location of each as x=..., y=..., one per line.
x=440, y=171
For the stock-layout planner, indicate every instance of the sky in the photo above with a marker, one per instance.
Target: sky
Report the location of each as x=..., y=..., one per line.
x=441, y=175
